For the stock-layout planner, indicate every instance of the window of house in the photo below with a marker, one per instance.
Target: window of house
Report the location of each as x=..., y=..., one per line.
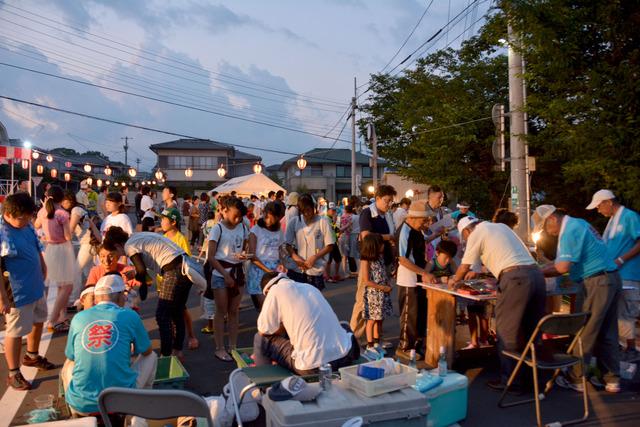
x=366, y=172
x=343, y=171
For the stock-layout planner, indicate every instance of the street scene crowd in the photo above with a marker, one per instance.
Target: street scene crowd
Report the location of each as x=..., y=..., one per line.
x=104, y=258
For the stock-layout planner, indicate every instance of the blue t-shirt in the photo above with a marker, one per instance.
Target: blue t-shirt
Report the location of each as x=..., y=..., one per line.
x=581, y=244
x=99, y=343
x=22, y=262
x=626, y=235
x=456, y=214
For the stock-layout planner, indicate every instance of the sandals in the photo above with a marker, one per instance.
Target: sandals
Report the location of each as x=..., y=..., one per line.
x=59, y=327
x=206, y=330
x=223, y=356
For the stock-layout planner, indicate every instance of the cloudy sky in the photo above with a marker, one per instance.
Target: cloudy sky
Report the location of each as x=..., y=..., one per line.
x=241, y=71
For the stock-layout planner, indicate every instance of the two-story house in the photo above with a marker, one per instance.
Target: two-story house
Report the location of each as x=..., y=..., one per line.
x=201, y=158
x=328, y=173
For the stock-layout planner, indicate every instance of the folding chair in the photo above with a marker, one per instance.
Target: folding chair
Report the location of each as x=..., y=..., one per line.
x=152, y=404
x=557, y=324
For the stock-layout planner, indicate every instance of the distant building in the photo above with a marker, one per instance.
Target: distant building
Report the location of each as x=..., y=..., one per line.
x=203, y=157
x=328, y=173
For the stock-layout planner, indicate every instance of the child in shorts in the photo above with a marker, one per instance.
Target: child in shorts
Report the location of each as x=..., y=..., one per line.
x=22, y=299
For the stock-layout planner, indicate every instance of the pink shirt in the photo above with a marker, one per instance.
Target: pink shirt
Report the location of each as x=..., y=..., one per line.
x=54, y=228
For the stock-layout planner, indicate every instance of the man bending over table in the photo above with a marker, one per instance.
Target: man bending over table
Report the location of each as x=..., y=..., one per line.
x=298, y=329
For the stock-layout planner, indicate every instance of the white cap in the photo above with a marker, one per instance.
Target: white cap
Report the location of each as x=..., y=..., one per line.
x=540, y=215
x=109, y=284
x=599, y=197
x=465, y=222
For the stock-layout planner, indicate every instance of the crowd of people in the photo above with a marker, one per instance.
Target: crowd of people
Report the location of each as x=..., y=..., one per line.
x=282, y=252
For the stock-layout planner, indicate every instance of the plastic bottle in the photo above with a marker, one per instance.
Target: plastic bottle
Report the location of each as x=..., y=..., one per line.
x=442, y=363
x=412, y=359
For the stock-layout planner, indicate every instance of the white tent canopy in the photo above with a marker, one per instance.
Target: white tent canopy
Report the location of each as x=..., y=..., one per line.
x=247, y=185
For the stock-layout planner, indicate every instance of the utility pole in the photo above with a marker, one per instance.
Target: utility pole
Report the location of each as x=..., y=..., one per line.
x=517, y=137
x=126, y=148
x=354, y=107
x=138, y=165
x=373, y=139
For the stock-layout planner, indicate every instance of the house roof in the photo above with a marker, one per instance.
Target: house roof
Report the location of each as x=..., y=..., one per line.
x=334, y=156
x=241, y=155
x=190, y=144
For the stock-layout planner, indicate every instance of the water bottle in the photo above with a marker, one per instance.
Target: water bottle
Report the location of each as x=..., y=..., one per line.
x=412, y=359
x=442, y=363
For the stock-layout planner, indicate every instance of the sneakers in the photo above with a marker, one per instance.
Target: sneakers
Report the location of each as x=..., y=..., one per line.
x=18, y=382
x=609, y=387
x=380, y=350
x=563, y=382
x=371, y=354
x=39, y=362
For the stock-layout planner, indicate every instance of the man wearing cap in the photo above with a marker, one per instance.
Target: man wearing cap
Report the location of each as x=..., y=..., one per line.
x=375, y=218
x=462, y=209
x=583, y=254
x=412, y=299
x=298, y=329
x=99, y=349
x=622, y=237
x=521, y=285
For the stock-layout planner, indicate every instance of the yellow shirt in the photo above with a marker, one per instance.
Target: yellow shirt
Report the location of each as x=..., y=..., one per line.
x=179, y=239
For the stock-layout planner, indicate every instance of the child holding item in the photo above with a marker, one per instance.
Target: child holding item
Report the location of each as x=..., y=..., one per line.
x=377, y=296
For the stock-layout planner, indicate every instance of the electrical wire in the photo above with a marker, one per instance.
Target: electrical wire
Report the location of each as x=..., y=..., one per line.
x=145, y=128
x=136, y=49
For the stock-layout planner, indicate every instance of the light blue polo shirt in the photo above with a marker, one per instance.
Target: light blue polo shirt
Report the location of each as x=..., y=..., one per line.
x=581, y=244
x=99, y=343
x=626, y=234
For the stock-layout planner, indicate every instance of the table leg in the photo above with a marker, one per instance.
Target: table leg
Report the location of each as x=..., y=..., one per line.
x=441, y=326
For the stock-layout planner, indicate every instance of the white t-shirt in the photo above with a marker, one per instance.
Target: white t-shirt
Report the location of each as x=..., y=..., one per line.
x=156, y=250
x=230, y=243
x=267, y=243
x=398, y=216
x=118, y=220
x=82, y=232
x=497, y=247
x=313, y=327
x=146, y=203
x=310, y=239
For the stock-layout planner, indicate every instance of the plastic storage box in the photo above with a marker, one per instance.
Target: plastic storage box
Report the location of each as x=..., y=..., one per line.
x=370, y=388
x=170, y=373
x=448, y=401
x=332, y=408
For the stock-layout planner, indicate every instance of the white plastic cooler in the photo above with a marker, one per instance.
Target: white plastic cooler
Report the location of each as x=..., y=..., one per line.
x=406, y=407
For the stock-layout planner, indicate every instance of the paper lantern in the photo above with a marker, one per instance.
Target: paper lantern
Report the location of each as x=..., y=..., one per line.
x=67, y=176
x=25, y=164
x=87, y=168
x=49, y=158
x=257, y=168
x=302, y=163
x=39, y=169
x=222, y=171
x=159, y=174
x=188, y=172
x=35, y=155
x=54, y=173
x=132, y=172
x=107, y=171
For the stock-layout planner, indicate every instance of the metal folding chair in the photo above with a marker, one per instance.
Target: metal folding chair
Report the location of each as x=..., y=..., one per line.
x=557, y=324
x=152, y=404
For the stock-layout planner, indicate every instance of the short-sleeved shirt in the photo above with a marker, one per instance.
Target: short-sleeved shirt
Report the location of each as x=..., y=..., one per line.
x=156, y=250
x=98, y=271
x=26, y=282
x=497, y=246
x=311, y=324
x=82, y=231
x=411, y=245
x=580, y=244
x=118, y=220
x=621, y=234
x=53, y=228
x=99, y=343
x=180, y=241
x=309, y=239
x=373, y=221
x=267, y=243
x=399, y=216
x=146, y=203
x=230, y=243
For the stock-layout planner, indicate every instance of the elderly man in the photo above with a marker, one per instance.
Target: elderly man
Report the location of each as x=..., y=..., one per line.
x=375, y=218
x=622, y=238
x=521, y=285
x=99, y=349
x=582, y=253
x=298, y=329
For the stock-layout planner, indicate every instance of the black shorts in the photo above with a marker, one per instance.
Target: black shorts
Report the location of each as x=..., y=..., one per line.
x=335, y=254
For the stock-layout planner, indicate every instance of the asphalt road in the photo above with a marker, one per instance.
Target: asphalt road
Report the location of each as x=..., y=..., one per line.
x=208, y=375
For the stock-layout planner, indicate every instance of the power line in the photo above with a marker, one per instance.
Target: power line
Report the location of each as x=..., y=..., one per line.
x=177, y=104
x=136, y=49
x=408, y=37
x=146, y=128
x=161, y=71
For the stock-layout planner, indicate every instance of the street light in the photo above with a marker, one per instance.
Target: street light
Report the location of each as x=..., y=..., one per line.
x=27, y=144
x=371, y=189
x=222, y=171
x=302, y=163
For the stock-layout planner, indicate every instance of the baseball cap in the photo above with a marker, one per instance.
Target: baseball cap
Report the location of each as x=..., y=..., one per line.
x=172, y=213
x=540, y=215
x=84, y=185
x=418, y=209
x=465, y=222
x=294, y=388
x=109, y=284
x=599, y=197
x=332, y=205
